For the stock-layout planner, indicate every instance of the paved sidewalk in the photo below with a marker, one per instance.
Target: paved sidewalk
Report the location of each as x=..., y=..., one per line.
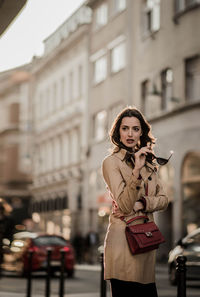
x=90, y=267
x=4, y=294
x=94, y=267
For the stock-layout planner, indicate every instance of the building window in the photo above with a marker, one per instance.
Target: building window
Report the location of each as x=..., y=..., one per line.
x=51, y=154
x=182, y=5
x=51, y=100
x=58, y=99
x=101, y=15
x=47, y=101
x=100, y=125
x=71, y=86
x=48, y=152
x=75, y=144
x=37, y=110
x=192, y=73
x=65, y=149
x=54, y=96
x=80, y=80
x=62, y=90
x=100, y=69
x=144, y=95
x=42, y=105
x=179, y=5
x=152, y=16
x=167, y=88
x=43, y=158
x=57, y=151
x=118, y=57
x=151, y=98
x=118, y=5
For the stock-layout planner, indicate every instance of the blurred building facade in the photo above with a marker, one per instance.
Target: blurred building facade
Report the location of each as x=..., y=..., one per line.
x=109, y=92
x=59, y=105
x=166, y=78
x=14, y=177
x=143, y=53
x=15, y=140
x=107, y=55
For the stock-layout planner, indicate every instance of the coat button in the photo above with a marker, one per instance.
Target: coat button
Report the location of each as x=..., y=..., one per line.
x=137, y=188
x=149, y=178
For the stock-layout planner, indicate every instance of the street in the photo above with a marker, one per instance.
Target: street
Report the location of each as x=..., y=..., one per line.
x=86, y=283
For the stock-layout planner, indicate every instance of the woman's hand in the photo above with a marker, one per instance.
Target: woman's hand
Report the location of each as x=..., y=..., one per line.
x=140, y=157
x=115, y=210
x=117, y=213
x=138, y=206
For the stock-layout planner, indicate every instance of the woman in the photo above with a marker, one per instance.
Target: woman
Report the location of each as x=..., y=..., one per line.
x=127, y=171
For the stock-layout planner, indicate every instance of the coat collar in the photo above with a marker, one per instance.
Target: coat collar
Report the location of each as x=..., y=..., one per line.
x=145, y=172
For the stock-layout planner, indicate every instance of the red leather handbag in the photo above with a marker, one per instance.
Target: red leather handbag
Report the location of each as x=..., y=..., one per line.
x=144, y=237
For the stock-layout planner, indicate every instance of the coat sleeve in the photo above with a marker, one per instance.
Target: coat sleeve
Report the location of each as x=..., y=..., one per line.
x=125, y=194
x=157, y=202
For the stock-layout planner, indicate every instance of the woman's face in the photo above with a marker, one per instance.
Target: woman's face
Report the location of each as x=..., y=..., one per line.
x=130, y=131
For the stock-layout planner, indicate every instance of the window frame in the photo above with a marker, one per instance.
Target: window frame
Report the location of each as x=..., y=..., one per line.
x=152, y=16
x=99, y=75
x=118, y=63
x=182, y=6
x=118, y=6
x=101, y=16
x=196, y=60
x=166, y=86
x=97, y=127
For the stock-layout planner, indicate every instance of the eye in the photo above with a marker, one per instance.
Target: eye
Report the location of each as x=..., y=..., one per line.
x=136, y=129
x=124, y=128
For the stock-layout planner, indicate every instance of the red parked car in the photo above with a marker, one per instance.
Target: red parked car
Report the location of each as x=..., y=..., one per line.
x=39, y=245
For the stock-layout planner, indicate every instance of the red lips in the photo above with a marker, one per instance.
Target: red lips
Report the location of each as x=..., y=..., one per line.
x=130, y=140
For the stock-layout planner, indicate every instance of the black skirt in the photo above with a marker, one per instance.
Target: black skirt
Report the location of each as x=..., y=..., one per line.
x=121, y=288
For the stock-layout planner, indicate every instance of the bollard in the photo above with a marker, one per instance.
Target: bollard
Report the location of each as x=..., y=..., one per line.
x=47, y=289
x=103, y=282
x=181, y=276
x=1, y=252
x=29, y=276
x=62, y=271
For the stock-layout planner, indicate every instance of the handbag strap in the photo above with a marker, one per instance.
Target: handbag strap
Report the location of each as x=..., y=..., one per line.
x=136, y=218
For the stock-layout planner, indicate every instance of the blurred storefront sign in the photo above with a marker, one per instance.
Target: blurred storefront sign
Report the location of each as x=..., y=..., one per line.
x=104, y=203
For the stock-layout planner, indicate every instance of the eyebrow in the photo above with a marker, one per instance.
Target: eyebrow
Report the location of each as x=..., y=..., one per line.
x=130, y=126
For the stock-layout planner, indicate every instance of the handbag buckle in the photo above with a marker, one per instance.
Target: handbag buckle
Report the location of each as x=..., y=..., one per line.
x=149, y=234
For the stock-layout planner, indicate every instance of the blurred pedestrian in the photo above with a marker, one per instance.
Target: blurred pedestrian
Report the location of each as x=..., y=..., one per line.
x=6, y=226
x=78, y=244
x=128, y=171
x=91, y=244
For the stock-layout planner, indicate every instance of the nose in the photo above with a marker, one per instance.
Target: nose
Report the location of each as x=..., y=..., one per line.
x=130, y=132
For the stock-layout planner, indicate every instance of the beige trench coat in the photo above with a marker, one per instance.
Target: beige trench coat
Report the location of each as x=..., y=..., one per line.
x=126, y=189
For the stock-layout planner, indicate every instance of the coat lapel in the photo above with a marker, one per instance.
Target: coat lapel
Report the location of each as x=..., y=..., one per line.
x=145, y=172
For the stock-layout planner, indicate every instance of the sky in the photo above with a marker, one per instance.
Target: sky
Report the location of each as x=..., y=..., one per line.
x=24, y=37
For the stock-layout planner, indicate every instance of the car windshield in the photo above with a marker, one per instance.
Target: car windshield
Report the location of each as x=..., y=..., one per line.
x=49, y=241
x=193, y=240
x=193, y=243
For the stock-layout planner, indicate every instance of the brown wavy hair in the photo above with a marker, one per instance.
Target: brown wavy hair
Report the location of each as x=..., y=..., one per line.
x=146, y=136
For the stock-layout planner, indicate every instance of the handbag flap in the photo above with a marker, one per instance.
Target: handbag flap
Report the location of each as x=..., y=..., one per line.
x=143, y=228
x=145, y=234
